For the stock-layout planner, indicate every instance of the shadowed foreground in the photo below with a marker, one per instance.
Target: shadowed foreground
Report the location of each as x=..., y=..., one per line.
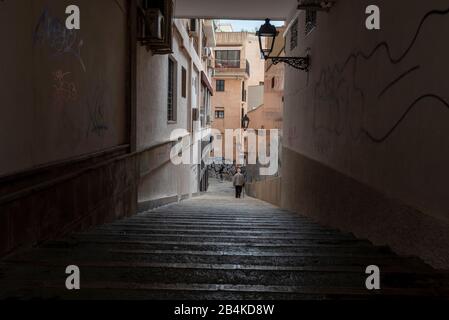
x=216, y=247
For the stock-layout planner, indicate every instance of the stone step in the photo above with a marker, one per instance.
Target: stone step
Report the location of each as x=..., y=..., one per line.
x=229, y=232
x=274, y=217
x=133, y=257
x=146, y=273
x=101, y=243
x=235, y=226
x=304, y=241
x=187, y=291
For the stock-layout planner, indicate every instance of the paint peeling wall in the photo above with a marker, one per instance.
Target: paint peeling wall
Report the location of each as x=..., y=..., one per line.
x=62, y=92
x=375, y=108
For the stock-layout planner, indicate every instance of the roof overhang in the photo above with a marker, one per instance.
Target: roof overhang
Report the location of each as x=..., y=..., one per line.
x=235, y=9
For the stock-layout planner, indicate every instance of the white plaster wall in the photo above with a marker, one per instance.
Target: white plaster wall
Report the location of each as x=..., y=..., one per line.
x=152, y=125
x=152, y=86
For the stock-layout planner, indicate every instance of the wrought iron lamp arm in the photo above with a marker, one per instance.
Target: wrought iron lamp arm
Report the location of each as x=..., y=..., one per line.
x=301, y=63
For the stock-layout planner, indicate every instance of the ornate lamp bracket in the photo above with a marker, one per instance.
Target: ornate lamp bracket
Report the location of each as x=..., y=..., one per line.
x=300, y=63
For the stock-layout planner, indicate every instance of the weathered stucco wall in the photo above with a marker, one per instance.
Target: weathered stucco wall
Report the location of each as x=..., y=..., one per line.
x=231, y=101
x=64, y=130
x=62, y=92
x=372, y=115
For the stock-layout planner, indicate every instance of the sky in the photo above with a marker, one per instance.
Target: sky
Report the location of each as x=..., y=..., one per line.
x=248, y=25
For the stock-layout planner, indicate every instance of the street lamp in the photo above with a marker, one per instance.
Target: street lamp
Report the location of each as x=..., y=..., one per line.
x=245, y=122
x=267, y=36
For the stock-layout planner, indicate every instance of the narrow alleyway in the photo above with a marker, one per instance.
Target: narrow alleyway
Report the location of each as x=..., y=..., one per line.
x=215, y=247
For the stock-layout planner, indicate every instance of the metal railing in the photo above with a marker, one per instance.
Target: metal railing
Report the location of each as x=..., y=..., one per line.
x=225, y=63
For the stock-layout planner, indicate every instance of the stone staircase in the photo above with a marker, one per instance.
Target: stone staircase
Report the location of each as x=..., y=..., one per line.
x=216, y=247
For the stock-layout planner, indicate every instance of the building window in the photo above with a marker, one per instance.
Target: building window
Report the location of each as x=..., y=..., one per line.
x=184, y=83
x=273, y=82
x=243, y=92
x=294, y=35
x=220, y=85
x=227, y=59
x=171, y=101
x=311, y=21
x=219, y=114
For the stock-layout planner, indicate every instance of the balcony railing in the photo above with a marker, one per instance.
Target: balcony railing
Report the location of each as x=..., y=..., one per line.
x=222, y=63
x=235, y=65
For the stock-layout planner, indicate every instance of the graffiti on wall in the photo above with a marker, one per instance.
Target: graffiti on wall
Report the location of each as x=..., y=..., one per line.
x=51, y=32
x=340, y=103
x=223, y=171
x=96, y=108
x=64, y=90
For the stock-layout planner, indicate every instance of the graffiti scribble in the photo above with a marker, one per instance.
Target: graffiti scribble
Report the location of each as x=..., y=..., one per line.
x=64, y=90
x=342, y=102
x=97, y=120
x=52, y=32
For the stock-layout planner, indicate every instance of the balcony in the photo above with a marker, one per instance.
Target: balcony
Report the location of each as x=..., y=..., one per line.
x=225, y=68
x=225, y=63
